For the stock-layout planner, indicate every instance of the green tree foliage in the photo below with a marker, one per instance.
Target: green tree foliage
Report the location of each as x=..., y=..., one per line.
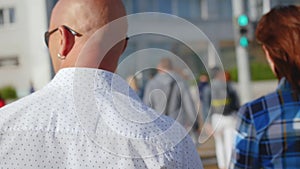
x=8, y=93
x=259, y=71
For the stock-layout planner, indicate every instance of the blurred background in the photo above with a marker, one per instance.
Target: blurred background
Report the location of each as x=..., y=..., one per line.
x=25, y=65
x=24, y=59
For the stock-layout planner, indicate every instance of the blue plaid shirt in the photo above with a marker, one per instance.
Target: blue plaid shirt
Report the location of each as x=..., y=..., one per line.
x=268, y=133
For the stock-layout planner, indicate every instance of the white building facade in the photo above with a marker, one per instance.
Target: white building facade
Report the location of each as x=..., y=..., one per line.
x=24, y=58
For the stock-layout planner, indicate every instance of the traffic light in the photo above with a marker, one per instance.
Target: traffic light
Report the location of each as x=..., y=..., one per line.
x=243, y=23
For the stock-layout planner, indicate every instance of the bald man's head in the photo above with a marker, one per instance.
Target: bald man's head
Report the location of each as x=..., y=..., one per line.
x=84, y=17
x=87, y=16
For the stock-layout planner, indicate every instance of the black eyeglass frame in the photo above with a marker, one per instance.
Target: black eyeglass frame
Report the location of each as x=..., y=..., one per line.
x=74, y=33
x=49, y=33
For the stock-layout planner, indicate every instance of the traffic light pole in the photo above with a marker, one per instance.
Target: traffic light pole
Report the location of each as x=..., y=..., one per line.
x=266, y=6
x=242, y=55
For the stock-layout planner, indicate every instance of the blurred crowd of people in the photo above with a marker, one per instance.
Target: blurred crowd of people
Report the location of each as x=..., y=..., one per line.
x=168, y=93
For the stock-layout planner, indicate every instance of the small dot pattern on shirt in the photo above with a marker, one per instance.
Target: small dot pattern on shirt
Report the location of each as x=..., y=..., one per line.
x=87, y=118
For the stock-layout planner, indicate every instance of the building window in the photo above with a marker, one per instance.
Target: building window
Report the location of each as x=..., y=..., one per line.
x=225, y=9
x=1, y=17
x=182, y=8
x=195, y=9
x=286, y=2
x=12, y=15
x=190, y=9
x=148, y=6
x=165, y=6
x=135, y=6
x=128, y=6
x=7, y=16
x=9, y=61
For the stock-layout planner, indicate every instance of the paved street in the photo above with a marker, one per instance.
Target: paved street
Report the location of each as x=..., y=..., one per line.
x=208, y=155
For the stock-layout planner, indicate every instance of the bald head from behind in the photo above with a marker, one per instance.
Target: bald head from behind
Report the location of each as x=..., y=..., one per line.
x=85, y=18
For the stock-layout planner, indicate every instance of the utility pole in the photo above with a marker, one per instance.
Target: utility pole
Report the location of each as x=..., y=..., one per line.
x=266, y=6
x=242, y=54
x=212, y=56
x=252, y=10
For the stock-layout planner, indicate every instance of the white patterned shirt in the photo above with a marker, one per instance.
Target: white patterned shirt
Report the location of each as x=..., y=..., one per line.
x=90, y=118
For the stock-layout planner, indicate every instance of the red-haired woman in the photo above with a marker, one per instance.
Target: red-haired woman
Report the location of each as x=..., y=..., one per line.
x=269, y=128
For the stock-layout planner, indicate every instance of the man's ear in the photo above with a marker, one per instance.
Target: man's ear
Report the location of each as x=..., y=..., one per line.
x=66, y=42
x=125, y=45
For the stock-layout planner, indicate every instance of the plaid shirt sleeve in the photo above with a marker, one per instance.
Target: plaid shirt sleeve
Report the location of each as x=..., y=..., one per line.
x=246, y=151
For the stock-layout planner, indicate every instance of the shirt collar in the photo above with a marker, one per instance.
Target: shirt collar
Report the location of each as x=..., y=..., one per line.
x=67, y=76
x=284, y=84
x=92, y=79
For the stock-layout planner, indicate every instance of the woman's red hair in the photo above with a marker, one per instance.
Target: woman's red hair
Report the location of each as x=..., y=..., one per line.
x=279, y=33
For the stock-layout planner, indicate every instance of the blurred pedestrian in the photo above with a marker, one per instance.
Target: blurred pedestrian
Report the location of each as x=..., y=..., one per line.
x=203, y=82
x=268, y=128
x=168, y=93
x=31, y=89
x=223, y=103
x=232, y=93
x=85, y=117
x=132, y=81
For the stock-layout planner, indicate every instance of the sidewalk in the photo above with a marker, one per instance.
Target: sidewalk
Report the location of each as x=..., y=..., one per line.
x=208, y=154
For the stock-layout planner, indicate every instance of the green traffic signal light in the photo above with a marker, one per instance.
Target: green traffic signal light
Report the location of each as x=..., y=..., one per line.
x=243, y=20
x=244, y=41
